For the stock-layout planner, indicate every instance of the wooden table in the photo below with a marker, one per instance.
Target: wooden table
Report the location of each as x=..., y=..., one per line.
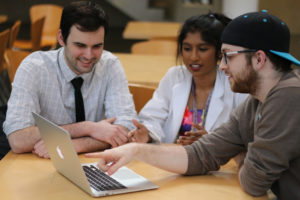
x=145, y=69
x=151, y=30
x=27, y=177
x=3, y=18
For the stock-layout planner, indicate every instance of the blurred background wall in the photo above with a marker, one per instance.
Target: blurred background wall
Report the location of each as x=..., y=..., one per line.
x=122, y=11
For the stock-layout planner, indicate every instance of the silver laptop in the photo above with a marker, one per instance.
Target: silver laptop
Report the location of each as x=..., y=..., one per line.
x=86, y=176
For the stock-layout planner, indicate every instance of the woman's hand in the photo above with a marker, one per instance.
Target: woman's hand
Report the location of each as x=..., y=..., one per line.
x=192, y=136
x=140, y=134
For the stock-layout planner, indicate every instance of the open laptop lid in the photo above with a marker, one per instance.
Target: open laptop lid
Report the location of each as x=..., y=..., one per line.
x=64, y=158
x=62, y=153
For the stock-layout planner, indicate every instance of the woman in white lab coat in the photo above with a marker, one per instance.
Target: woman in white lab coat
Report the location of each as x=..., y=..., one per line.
x=195, y=97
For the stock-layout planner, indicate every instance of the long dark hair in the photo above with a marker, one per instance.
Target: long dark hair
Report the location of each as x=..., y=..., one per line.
x=210, y=26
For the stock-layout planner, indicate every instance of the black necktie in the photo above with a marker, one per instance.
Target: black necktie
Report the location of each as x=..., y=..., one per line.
x=77, y=83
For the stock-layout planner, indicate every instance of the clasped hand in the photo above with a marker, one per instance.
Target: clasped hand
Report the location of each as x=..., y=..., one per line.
x=105, y=131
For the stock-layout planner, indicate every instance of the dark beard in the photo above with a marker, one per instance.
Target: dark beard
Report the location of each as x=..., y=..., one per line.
x=246, y=82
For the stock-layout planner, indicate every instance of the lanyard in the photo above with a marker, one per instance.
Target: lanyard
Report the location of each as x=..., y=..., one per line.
x=195, y=110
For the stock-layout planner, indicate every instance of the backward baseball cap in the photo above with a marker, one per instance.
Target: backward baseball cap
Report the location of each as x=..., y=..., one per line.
x=260, y=31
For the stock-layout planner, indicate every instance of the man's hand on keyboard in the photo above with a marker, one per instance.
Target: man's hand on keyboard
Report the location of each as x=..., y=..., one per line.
x=112, y=159
x=170, y=157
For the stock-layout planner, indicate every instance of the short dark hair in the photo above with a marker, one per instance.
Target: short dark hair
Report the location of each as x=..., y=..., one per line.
x=88, y=15
x=280, y=64
x=210, y=26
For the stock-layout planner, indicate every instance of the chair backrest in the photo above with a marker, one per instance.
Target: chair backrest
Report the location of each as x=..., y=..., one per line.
x=36, y=33
x=13, y=34
x=4, y=35
x=53, y=14
x=14, y=58
x=141, y=95
x=155, y=47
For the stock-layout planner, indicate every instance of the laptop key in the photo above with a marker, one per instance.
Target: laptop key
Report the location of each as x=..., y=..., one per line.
x=101, y=181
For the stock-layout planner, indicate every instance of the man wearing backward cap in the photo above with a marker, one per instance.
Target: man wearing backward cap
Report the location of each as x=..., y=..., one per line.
x=265, y=127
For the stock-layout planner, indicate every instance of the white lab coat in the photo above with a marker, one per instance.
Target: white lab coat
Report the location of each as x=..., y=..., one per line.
x=163, y=114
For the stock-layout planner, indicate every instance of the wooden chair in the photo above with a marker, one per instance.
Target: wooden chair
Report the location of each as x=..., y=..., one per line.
x=4, y=35
x=155, y=47
x=36, y=33
x=3, y=18
x=141, y=95
x=14, y=59
x=53, y=14
x=13, y=34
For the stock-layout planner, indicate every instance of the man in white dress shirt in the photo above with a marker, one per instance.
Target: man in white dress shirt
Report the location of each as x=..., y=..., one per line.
x=43, y=84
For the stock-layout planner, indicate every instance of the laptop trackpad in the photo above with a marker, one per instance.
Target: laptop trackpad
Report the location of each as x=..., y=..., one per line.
x=129, y=178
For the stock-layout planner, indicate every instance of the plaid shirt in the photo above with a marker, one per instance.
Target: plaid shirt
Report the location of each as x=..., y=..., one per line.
x=42, y=84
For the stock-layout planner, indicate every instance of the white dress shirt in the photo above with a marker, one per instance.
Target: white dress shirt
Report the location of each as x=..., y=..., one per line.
x=42, y=84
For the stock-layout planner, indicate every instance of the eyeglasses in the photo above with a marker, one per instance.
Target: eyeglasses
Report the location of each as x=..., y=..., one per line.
x=226, y=54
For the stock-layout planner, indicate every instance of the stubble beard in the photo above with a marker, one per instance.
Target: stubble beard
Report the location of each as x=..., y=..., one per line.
x=246, y=81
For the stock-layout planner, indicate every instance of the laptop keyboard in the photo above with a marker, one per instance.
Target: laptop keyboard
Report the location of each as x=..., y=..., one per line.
x=99, y=180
